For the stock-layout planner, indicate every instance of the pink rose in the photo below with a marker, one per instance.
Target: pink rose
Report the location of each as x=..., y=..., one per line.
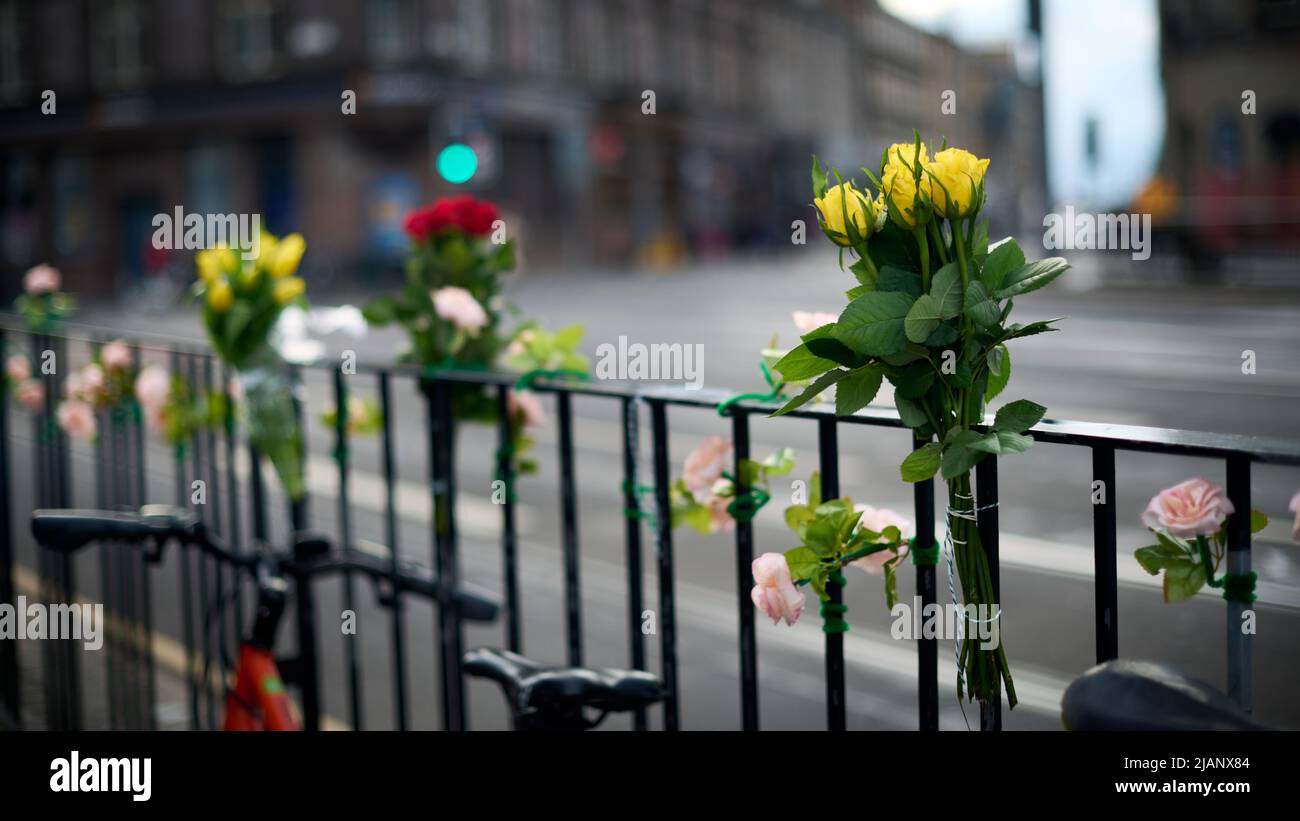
x=77, y=419
x=774, y=592
x=17, y=368
x=42, y=280
x=1196, y=507
x=1295, y=508
x=115, y=355
x=705, y=464
x=152, y=387
x=30, y=393
x=86, y=383
x=458, y=306
x=876, y=519
x=805, y=321
x=720, y=519
x=527, y=408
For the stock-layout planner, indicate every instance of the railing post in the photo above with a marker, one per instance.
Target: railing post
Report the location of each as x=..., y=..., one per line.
x=442, y=459
x=1106, y=580
x=1240, y=687
x=342, y=458
x=390, y=536
x=664, y=546
x=986, y=496
x=829, y=462
x=509, y=534
x=307, y=663
x=632, y=526
x=927, y=648
x=569, y=523
x=745, y=581
x=9, y=690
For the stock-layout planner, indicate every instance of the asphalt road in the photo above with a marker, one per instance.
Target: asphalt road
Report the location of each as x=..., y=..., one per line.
x=1161, y=357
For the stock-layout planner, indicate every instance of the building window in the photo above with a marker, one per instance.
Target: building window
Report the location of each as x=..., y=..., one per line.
x=386, y=29
x=119, y=43
x=247, y=45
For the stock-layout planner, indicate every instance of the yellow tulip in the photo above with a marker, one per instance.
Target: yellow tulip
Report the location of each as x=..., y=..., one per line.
x=287, y=290
x=954, y=178
x=249, y=275
x=267, y=245
x=214, y=262
x=220, y=296
x=843, y=199
x=288, y=254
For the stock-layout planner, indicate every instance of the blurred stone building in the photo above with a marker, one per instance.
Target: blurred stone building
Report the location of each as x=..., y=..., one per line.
x=1230, y=171
x=238, y=106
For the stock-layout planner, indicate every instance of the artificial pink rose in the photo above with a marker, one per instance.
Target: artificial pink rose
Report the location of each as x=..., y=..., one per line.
x=526, y=407
x=77, y=419
x=720, y=519
x=774, y=592
x=115, y=355
x=17, y=368
x=1295, y=508
x=805, y=321
x=42, y=279
x=458, y=306
x=876, y=519
x=30, y=393
x=89, y=382
x=152, y=387
x=1196, y=507
x=705, y=464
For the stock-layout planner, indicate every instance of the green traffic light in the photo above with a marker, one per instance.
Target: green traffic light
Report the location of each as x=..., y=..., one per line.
x=457, y=163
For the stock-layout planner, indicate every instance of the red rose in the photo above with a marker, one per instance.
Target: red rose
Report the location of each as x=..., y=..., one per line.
x=473, y=217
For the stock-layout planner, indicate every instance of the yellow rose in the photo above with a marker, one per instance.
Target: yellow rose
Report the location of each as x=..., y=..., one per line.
x=266, y=249
x=954, y=178
x=288, y=254
x=845, y=199
x=220, y=296
x=899, y=180
x=214, y=262
x=287, y=290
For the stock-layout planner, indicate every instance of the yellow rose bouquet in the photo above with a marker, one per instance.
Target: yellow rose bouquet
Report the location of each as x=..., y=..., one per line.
x=931, y=314
x=243, y=295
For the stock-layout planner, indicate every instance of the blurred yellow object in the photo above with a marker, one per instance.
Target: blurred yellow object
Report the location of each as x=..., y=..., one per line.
x=287, y=290
x=214, y=262
x=220, y=296
x=249, y=276
x=1159, y=198
x=288, y=254
x=266, y=249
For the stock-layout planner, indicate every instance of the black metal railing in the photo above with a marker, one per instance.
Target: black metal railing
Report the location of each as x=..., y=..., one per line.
x=121, y=467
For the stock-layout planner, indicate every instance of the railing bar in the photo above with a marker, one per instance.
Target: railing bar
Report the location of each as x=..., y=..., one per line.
x=1105, y=574
x=214, y=501
x=986, y=495
x=632, y=530
x=829, y=463
x=145, y=635
x=343, y=461
x=236, y=527
x=10, y=693
x=664, y=546
x=442, y=437
x=205, y=635
x=298, y=510
x=390, y=536
x=1237, y=561
x=187, y=601
x=509, y=534
x=569, y=519
x=927, y=647
x=745, y=582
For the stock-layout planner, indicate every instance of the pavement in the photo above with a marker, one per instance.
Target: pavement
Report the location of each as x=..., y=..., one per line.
x=1160, y=356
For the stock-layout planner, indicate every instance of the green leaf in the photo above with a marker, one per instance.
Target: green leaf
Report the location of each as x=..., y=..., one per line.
x=999, y=442
x=910, y=411
x=826, y=347
x=857, y=390
x=982, y=309
x=1258, y=521
x=1031, y=277
x=914, y=380
x=863, y=272
x=923, y=318
x=796, y=516
x=823, y=536
x=900, y=280
x=1157, y=556
x=958, y=456
x=698, y=518
x=1003, y=258
x=819, y=182
x=569, y=337
x=947, y=292
x=800, y=364
x=1018, y=416
x=1183, y=579
x=380, y=311
x=810, y=393
x=803, y=562
x=872, y=324
x=921, y=463
x=779, y=463
x=999, y=361
x=1033, y=328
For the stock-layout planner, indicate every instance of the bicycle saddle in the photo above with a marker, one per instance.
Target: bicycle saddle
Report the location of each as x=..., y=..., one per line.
x=534, y=687
x=1147, y=695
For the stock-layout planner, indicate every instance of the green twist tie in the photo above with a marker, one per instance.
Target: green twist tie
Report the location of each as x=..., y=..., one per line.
x=774, y=394
x=924, y=556
x=746, y=505
x=1239, y=587
x=832, y=613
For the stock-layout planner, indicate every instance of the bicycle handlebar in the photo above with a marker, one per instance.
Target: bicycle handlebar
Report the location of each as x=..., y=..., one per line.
x=71, y=530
